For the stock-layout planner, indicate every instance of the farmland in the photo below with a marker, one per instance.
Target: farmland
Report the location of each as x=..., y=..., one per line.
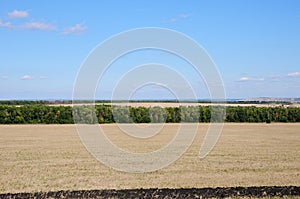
x=51, y=158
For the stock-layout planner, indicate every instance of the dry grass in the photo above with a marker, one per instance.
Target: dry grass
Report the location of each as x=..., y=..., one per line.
x=51, y=157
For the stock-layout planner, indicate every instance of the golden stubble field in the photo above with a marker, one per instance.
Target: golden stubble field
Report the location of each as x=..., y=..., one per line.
x=51, y=157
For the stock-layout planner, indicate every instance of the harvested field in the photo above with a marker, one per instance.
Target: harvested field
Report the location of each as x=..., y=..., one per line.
x=46, y=158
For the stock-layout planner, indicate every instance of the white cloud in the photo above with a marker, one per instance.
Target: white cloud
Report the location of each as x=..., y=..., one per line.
x=17, y=14
x=294, y=74
x=184, y=15
x=29, y=26
x=4, y=77
x=5, y=25
x=76, y=29
x=244, y=79
x=26, y=77
x=177, y=18
x=172, y=20
x=37, y=26
x=259, y=79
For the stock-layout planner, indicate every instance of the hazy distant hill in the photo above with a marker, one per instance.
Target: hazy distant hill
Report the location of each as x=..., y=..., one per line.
x=272, y=99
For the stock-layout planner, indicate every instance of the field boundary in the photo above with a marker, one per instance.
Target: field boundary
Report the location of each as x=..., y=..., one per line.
x=84, y=114
x=219, y=192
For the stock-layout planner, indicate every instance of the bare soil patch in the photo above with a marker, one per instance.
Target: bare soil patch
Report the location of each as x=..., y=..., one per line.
x=219, y=192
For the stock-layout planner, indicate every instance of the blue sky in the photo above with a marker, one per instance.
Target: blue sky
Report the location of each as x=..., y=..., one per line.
x=254, y=44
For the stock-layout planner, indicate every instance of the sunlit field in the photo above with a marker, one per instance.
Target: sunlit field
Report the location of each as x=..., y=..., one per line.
x=51, y=157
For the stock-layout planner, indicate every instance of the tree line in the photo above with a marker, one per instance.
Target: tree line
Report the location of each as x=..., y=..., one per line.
x=57, y=102
x=45, y=114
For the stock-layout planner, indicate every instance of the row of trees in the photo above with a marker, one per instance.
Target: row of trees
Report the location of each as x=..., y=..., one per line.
x=35, y=114
x=44, y=114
